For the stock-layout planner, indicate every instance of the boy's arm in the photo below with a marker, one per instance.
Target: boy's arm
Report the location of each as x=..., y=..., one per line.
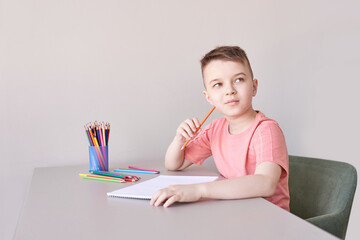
x=261, y=184
x=174, y=158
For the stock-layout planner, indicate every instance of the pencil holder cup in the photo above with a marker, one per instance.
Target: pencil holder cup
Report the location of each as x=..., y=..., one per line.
x=99, y=158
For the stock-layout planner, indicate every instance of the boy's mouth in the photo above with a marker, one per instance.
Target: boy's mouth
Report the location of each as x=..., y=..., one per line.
x=232, y=102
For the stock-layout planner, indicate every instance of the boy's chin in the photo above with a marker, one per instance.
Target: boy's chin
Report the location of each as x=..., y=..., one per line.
x=233, y=113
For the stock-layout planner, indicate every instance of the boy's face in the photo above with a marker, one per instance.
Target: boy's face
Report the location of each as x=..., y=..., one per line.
x=229, y=87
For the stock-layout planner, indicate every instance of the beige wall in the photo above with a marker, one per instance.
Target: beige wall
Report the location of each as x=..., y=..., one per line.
x=136, y=65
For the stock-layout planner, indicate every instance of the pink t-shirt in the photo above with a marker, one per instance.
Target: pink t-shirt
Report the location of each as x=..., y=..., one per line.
x=240, y=154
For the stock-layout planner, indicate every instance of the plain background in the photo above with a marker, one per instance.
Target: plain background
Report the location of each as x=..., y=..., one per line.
x=136, y=65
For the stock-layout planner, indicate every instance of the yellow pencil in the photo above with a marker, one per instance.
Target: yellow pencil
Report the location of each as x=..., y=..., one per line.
x=102, y=179
x=92, y=176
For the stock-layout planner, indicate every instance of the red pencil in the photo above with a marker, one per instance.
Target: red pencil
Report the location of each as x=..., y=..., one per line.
x=143, y=169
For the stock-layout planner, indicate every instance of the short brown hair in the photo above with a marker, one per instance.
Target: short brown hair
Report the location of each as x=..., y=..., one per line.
x=227, y=53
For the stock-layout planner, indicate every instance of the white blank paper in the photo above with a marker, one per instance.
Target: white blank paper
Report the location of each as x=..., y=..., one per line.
x=146, y=189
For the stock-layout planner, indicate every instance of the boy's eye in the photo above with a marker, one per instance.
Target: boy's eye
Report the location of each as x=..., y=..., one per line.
x=217, y=85
x=239, y=80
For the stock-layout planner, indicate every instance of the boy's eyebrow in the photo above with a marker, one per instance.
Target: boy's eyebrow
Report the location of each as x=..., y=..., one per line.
x=240, y=73
x=237, y=74
x=216, y=79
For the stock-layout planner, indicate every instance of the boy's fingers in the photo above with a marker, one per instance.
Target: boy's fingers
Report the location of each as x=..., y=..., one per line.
x=197, y=123
x=191, y=123
x=171, y=201
x=161, y=198
x=187, y=129
x=184, y=133
x=154, y=197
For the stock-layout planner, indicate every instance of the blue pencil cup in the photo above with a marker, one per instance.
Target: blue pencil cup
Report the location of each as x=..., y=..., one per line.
x=99, y=158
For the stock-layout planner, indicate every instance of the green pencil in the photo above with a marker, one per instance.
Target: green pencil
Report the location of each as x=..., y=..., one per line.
x=102, y=179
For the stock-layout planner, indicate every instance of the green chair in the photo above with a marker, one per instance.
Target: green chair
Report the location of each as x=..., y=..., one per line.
x=322, y=192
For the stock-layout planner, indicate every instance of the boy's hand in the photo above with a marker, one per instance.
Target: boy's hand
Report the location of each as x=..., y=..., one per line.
x=175, y=157
x=177, y=193
x=187, y=130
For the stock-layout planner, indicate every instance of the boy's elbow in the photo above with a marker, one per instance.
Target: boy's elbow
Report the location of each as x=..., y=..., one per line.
x=269, y=192
x=177, y=166
x=270, y=188
x=171, y=167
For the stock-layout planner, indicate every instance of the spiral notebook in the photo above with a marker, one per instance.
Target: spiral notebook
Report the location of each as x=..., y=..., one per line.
x=146, y=189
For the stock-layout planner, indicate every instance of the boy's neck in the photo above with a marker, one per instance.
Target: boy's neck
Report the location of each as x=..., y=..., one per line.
x=240, y=124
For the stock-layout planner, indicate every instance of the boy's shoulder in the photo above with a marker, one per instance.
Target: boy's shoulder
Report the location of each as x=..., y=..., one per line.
x=263, y=120
x=264, y=124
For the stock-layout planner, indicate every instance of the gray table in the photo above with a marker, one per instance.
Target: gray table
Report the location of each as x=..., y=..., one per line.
x=61, y=205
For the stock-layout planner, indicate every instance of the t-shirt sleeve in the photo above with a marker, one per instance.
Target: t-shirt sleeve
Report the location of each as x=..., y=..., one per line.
x=270, y=145
x=198, y=149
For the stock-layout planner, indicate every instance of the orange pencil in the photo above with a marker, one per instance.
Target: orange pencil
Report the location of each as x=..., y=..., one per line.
x=198, y=127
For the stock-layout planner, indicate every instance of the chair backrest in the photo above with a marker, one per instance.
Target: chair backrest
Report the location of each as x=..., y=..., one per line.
x=322, y=192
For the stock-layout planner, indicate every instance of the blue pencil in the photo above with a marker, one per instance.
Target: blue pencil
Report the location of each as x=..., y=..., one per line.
x=135, y=171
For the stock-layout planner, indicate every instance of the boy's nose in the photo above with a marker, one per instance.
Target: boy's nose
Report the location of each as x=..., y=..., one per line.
x=230, y=90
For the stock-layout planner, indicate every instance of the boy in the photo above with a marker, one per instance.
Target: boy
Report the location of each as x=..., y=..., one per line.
x=248, y=148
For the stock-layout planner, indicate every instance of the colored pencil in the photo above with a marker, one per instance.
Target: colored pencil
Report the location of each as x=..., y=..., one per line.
x=98, y=133
x=98, y=152
x=103, y=133
x=143, y=169
x=114, y=175
x=103, y=179
x=87, y=136
x=135, y=171
x=198, y=127
x=100, y=176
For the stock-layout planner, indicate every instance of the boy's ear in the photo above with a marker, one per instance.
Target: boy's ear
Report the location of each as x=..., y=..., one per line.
x=255, y=86
x=208, y=98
